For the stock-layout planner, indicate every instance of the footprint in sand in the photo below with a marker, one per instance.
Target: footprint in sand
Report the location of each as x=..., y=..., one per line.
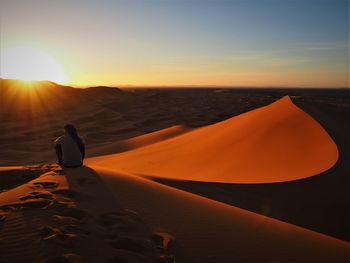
x=123, y=231
x=67, y=213
x=67, y=193
x=71, y=228
x=52, y=167
x=164, y=242
x=52, y=173
x=36, y=203
x=45, y=168
x=60, y=205
x=39, y=203
x=48, y=231
x=66, y=241
x=56, y=169
x=45, y=184
x=58, y=236
x=37, y=195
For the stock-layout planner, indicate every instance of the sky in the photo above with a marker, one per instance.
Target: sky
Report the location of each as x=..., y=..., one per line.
x=291, y=43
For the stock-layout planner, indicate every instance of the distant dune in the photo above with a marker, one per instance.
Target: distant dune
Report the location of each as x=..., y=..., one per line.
x=103, y=115
x=275, y=143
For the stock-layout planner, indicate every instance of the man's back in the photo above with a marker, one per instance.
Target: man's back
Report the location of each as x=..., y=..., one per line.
x=71, y=155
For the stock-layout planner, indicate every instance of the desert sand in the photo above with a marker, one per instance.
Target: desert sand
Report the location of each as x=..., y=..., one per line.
x=274, y=143
x=208, y=175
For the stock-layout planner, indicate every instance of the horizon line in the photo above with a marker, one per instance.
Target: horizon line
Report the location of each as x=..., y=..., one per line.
x=125, y=86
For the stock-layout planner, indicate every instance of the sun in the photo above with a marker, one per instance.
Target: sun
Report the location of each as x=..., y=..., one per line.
x=28, y=64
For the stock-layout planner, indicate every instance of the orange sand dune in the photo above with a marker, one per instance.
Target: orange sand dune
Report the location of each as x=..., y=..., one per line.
x=275, y=143
x=210, y=231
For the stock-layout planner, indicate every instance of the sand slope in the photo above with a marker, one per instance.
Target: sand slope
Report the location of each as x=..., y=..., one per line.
x=275, y=143
x=49, y=214
x=57, y=215
x=139, y=141
x=209, y=231
x=60, y=215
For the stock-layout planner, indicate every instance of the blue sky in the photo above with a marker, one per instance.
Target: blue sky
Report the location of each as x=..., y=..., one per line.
x=178, y=42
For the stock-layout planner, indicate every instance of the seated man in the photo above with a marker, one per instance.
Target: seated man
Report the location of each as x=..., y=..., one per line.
x=70, y=148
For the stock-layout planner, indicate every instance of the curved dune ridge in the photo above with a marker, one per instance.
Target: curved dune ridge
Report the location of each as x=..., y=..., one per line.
x=275, y=143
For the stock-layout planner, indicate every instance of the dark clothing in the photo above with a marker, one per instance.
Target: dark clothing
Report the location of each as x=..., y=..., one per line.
x=70, y=152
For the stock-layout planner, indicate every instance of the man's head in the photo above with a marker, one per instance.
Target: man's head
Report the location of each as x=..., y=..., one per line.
x=70, y=129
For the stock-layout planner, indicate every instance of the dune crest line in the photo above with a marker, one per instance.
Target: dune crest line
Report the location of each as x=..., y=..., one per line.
x=275, y=143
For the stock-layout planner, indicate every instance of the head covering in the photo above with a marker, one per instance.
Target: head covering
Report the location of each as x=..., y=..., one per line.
x=72, y=131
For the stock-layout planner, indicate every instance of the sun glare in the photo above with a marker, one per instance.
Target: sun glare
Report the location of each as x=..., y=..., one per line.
x=28, y=64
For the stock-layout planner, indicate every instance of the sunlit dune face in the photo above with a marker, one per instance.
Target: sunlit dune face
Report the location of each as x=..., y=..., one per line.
x=275, y=143
x=27, y=64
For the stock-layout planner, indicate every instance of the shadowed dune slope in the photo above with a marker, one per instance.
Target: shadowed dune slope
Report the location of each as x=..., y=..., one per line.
x=275, y=143
x=139, y=141
x=210, y=231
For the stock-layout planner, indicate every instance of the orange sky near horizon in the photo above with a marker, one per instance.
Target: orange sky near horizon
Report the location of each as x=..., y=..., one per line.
x=160, y=43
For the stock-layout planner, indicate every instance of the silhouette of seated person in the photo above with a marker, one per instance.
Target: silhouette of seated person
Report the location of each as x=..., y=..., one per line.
x=70, y=148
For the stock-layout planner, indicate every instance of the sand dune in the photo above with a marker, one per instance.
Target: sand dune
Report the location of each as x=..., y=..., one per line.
x=59, y=215
x=275, y=143
x=209, y=231
x=50, y=214
x=103, y=115
x=139, y=141
x=66, y=216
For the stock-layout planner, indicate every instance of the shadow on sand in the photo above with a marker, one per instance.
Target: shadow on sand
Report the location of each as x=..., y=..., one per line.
x=320, y=203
